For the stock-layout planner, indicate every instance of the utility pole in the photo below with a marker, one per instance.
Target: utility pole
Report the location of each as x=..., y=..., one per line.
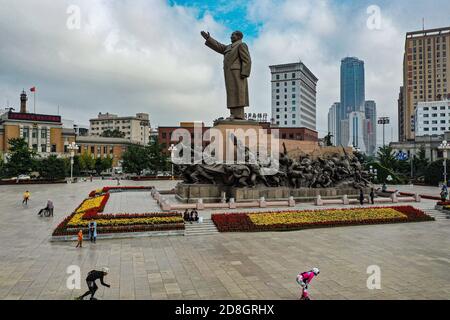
x=384, y=121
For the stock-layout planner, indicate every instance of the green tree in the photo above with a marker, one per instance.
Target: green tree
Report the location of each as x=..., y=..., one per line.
x=158, y=160
x=21, y=159
x=116, y=133
x=87, y=163
x=52, y=168
x=107, y=163
x=434, y=173
x=135, y=159
x=386, y=157
x=102, y=164
x=421, y=162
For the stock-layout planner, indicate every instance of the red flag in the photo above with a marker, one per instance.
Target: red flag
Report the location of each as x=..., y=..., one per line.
x=33, y=89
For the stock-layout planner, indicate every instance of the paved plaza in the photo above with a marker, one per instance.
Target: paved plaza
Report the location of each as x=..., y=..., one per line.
x=414, y=258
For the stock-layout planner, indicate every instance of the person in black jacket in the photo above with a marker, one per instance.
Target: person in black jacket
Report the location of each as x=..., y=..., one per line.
x=361, y=197
x=93, y=276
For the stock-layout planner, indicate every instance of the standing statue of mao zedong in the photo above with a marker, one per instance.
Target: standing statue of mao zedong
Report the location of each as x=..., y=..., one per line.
x=236, y=66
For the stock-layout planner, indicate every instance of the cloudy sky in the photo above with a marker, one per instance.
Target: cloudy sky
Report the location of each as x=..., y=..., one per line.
x=130, y=56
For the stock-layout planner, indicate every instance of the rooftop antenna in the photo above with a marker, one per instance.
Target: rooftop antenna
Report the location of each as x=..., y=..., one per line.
x=423, y=24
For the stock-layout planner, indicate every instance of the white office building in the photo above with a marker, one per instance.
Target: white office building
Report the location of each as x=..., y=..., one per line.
x=357, y=124
x=134, y=128
x=333, y=121
x=293, y=96
x=432, y=118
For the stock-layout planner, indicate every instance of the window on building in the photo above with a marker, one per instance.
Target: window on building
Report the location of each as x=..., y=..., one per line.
x=277, y=77
x=53, y=148
x=293, y=122
x=92, y=149
x=43, y=148
x=43, y=133
x=426, y=129
x=25, y=133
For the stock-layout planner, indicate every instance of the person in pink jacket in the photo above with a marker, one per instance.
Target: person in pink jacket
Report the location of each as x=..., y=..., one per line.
x=304, y=279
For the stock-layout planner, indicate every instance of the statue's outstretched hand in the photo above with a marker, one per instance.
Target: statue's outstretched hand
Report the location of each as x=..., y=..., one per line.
x=205, y=35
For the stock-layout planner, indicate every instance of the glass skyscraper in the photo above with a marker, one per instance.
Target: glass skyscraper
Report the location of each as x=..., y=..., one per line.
x=352, y=86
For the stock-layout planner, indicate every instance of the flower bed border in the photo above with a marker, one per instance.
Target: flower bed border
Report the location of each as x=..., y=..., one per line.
x=241, y=222
x=64, y=230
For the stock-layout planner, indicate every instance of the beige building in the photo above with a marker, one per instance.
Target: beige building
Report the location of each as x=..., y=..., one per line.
x=44, y=133
x=101, y=147
x=136, y=129
x=426, y=74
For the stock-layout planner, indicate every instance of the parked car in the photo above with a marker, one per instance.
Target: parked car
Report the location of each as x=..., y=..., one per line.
x=23, y=177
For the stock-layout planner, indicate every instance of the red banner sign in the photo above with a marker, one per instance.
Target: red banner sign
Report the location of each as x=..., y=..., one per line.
x=33, y=117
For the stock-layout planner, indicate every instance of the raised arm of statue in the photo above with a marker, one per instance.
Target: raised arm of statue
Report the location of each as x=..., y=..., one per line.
x=215, y=45
x=246, y=61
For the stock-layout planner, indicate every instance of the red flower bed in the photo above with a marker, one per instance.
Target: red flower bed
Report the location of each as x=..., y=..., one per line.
x=121, y=229
x=91, y=214
x=240, y=222
x=93, y=193
x=125, y=188
x=131, y=215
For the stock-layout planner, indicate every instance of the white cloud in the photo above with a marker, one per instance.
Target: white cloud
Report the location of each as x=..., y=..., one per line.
x=146, y=56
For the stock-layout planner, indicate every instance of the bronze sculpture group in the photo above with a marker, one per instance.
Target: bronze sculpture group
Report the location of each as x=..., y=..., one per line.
x=303, y=172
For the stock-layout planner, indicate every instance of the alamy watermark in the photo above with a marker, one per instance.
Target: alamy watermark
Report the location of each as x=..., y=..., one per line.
x=73, y=281
x=374, y=280
x=374, y=20
x=73, y=21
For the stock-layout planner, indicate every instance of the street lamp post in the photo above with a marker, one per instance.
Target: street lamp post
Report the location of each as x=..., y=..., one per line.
x=172, y=149
x=444, y=146
x=72, y=147
x=384, y=121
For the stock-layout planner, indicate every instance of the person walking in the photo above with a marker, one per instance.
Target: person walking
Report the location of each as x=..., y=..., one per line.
x=26, y=197
x=80, y=239
x=50, y=207
x=372, y=196
x=361, y=197
x=93, y=231
x=93, y=276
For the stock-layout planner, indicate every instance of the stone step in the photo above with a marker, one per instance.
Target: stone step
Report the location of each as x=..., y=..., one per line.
x=199, y=229
x=438, y=215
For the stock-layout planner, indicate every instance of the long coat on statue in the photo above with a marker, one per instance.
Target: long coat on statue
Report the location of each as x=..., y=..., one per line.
x=236, y=63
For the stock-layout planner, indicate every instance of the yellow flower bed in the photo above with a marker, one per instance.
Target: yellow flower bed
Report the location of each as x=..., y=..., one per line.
x=89, y=204
x=325, y=216
x=77, y=221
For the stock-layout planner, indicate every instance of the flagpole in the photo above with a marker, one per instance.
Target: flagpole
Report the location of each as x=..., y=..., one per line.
x=34, y=101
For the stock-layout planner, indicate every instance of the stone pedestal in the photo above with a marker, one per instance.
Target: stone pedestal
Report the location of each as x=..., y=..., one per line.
x=191, y=193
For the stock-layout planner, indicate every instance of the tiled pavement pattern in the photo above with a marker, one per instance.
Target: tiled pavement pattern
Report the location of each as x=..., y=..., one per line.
x=414, y=258
x=131, y=202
